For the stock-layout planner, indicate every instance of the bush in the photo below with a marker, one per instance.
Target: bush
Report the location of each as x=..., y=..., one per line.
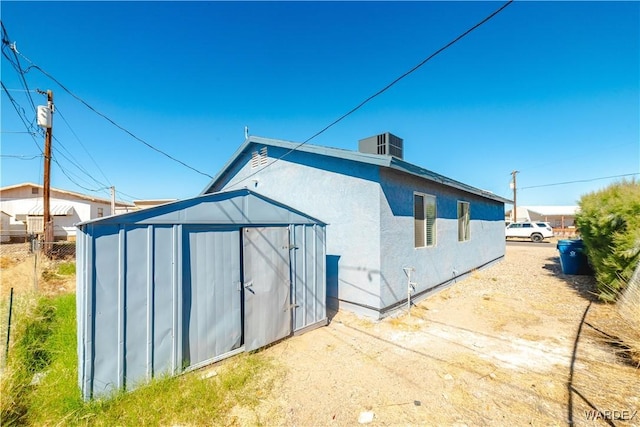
x=609, y=222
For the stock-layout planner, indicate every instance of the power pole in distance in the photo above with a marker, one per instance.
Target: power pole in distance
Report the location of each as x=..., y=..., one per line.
x=113, y=200
x=45, y=120
x=515, y=204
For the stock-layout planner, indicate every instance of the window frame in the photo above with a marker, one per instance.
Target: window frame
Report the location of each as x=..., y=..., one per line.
x=428, y=221
x=464, y=221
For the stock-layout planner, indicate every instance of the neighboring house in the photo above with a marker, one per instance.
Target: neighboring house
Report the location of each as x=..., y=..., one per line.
x=143, y=204
x=5, y=219
x=25, y=205
x=559, y=217
x=387, y=218
x=150, y=203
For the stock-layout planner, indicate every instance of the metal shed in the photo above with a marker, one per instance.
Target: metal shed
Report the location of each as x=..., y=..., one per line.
x=178, y=286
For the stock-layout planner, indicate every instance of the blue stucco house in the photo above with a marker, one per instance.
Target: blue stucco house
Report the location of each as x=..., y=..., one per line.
x=387, y=218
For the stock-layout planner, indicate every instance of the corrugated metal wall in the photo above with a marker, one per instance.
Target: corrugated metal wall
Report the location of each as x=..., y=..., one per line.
x=163, y=298
x=308, y=260
x=211, y=296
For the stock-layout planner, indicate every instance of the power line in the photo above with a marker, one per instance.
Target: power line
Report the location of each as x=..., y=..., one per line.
x=82, y=145
x=424, y=61
x=86, y=104
x=27, y=126
x=68, y=173
x=6, y=42
x=384, y=89
x=74, y=162
x=21, y=157
x=16, y=65
x=22, y=90
x=581, y=180
x=18, y=131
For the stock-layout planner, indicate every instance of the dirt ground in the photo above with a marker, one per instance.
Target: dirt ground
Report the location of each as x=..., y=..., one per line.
x=23, y=271
x=516, y=344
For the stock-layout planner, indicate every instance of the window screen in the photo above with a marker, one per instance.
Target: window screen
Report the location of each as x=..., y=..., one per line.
x=424, y=215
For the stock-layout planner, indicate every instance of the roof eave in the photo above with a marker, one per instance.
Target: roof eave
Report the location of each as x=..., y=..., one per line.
x=372, y=159
x=406, y=167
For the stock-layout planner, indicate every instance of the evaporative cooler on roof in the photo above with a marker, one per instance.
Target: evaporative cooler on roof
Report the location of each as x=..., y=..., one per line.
x=386, y=143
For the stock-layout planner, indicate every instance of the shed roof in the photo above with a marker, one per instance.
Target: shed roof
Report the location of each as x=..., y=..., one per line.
x=356, y=156
x=239, y=207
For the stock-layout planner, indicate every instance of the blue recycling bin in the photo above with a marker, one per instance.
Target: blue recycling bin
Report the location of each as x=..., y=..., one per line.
x=572, y=257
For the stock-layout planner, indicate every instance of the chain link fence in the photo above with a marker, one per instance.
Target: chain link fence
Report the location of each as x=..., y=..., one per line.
x=34, y=265
x=62, y=250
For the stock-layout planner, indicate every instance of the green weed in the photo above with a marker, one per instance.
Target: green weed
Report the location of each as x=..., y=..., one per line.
x=66, y=268
x=45, y=350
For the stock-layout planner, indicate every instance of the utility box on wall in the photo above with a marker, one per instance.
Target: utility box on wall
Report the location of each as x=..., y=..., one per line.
x=182, y=285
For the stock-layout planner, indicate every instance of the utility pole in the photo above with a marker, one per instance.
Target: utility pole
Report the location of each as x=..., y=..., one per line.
x=45, y=120
x=113, y=200
x=515, y=204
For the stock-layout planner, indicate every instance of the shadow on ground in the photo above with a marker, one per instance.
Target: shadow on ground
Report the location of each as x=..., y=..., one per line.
x=584, y=285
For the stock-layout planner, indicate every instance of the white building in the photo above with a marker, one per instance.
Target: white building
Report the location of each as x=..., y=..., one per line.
x=559, y=217
x=4, y=226
x=24, y=205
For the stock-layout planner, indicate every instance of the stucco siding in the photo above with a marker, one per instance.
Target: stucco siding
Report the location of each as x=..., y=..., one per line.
x=342, y=193
x=367, y=202
x=448, y=259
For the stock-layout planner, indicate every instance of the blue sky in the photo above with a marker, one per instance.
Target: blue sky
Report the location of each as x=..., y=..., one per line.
x=551, y=89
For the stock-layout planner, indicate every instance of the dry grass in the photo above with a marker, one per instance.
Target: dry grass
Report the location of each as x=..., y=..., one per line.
x=7, y=261
x=629, y=312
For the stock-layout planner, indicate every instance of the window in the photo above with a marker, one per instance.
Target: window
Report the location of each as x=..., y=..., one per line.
x=463, y=221
x=34, y=190
x=100, y=212
x=424, y=220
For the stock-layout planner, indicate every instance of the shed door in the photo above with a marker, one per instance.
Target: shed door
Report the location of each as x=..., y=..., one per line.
x=211, y=310
x=266, y=286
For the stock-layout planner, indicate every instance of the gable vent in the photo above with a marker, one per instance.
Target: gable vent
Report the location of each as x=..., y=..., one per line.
x=386, y=144
x=259, y=158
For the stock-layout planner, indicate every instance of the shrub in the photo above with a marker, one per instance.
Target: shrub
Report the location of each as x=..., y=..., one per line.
x=609, y=222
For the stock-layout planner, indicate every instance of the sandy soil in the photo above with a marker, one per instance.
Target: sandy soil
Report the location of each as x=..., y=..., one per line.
x=516, y=344
x=25, y=272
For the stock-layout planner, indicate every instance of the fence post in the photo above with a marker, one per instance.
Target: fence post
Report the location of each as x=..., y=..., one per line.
x=6, y=349
x=35, y=271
